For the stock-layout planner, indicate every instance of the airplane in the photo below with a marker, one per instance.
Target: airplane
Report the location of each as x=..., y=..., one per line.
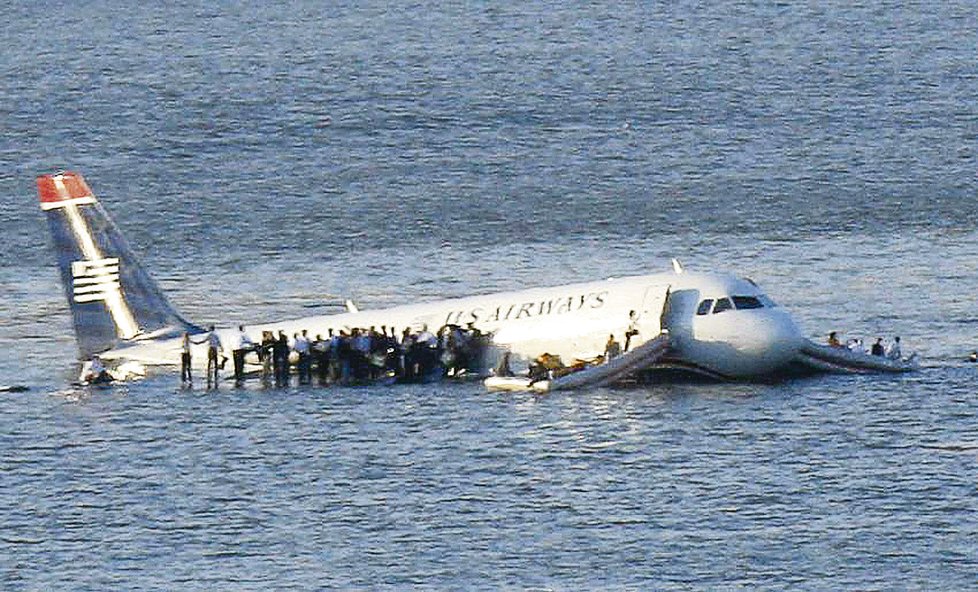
x=717, y=324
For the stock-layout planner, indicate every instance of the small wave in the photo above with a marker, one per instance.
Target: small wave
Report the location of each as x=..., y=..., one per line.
x=953, y=447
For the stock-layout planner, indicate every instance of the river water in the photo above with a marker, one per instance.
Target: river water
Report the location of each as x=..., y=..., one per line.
x=270, y=161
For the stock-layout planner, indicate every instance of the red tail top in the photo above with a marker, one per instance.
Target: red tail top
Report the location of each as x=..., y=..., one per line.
x=61, y=187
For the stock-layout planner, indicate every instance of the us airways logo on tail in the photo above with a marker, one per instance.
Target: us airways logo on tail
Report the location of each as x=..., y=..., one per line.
x=96, y=280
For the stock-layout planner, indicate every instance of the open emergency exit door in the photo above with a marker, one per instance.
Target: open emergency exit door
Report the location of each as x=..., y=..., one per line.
x=677, y=315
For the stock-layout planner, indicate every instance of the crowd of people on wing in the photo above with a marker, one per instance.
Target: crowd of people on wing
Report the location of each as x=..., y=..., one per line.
x=891, y=350
x=345, y=357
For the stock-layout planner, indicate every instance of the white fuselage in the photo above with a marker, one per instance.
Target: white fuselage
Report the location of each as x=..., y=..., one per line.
x=575, y=321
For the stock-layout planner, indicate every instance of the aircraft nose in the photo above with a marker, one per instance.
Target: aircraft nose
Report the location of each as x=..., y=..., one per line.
x=747, y=343
x=777, y=337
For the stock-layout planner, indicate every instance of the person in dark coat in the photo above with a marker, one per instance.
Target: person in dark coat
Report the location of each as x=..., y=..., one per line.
x=280, y=359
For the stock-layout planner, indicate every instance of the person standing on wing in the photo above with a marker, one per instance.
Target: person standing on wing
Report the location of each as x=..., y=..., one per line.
x=280, y=359
x=244, y=345
x=185, y=376
x=300, y=344
x=214, y=347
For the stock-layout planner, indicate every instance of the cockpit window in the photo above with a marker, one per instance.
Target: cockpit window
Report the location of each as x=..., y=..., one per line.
x=705, y=307
x=766, y=301
x=747, y=302
x=722, y=305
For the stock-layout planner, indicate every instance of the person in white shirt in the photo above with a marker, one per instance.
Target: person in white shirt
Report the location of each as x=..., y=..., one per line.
x=426, y=337
x=214, y=347
x=893, y=352
x=243, y=346
x=632, y=331
x=185, y=375
x=335, y=364
x=427, y=351
x=301, y=347
x=95, y=372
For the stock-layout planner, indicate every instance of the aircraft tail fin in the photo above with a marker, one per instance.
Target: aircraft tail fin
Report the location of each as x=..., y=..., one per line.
x=112, y=299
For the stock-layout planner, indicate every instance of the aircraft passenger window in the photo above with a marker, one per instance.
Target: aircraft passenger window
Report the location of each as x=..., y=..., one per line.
x=705, y=307
x=722, y=305
x=747, y=302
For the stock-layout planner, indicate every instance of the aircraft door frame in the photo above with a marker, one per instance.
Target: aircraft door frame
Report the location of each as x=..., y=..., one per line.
x=650, y=313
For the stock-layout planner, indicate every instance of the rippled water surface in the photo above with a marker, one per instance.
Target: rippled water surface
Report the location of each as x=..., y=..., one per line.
x=270, y=161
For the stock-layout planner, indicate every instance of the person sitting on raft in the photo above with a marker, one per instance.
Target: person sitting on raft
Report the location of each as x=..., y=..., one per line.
x=502, y=368
x=834, y=340
x=96, y=372
x=545, y=367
